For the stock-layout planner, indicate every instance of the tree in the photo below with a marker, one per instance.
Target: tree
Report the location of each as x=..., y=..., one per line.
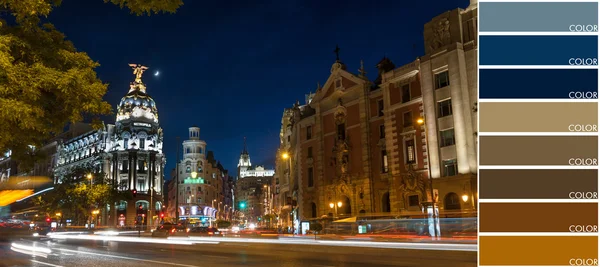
x=45, y=83
x=316, y=227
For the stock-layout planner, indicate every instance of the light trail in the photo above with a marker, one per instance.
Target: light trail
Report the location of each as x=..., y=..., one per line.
x=30, y=250
x=131, y=239
x=36, y=193
x=127, y=258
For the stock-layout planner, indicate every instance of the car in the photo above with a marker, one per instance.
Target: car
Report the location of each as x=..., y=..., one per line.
x=166, y=230
x=205, y=231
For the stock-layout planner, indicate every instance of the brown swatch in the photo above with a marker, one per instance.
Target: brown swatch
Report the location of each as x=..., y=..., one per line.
x=536, y=250
x=538, y=117
x=538, y=217
x=536, y=150
x=538, y=184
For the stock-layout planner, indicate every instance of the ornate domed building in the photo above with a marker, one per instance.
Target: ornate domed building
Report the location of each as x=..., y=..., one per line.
x=128, y=152
x=138, y=160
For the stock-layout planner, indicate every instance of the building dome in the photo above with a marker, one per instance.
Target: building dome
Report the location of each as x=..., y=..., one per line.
x=138, y=106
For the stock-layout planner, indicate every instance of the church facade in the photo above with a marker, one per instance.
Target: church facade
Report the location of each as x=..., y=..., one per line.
x=129, y=153
x=357, y=146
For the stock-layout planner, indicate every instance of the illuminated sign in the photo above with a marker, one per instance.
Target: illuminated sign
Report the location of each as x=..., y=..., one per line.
x=193, y=181
x=142, y=124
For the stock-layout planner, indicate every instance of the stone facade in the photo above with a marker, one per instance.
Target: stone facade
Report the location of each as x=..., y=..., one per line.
x=203, y=182
x=366, y=143
x=128, y=152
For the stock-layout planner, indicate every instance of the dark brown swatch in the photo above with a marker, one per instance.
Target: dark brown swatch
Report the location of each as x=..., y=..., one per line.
x=538, y=217
x=536, y=250
x=538, y=184
x=537, y=150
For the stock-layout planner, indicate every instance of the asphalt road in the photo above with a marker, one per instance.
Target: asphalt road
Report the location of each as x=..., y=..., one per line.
x=91, y=253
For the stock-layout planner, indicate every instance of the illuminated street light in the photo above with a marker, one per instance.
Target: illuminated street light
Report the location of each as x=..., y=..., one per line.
x=194, y=175
x=339, y=204
x=465, y=198
x=285, y=155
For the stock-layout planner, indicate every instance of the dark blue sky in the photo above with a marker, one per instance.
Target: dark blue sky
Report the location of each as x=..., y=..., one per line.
x=231, y=67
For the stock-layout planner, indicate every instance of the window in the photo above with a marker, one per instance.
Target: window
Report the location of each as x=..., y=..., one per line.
x=447, y=137
x=200, y=149
x=188, y=169
x=382, y=131
x=289, y=138
x=141, y=165
x=384, y=161
x=445, y=108
x=338, y=83
x=380, y=108
x=142, y=143
x=214, y=175
x=413, y=200
x=441, y=80
x=126, y=143
x=309, y=154
x=450, y=167
x=308, y=132
x=199, y=170
x=311, y=178
x=125, y=165
x=410, y=151
x=406, y=93
x=141, y=184
x=341, y=131
x=408, y=119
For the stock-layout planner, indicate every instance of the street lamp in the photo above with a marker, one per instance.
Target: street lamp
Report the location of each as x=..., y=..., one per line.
x=286, y=156
x=421, y=121
x=89, y=176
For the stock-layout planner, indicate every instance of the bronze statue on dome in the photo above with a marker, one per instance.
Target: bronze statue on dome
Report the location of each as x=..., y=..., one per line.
x=138, y=70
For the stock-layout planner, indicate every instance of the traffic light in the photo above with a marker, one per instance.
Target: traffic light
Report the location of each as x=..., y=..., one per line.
x=242, y=205
x=134, y=192
x=162, y=215
x=259, y=219
x=48, y=220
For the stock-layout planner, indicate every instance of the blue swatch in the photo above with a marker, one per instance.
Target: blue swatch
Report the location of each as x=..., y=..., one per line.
x=538, y=50
x=538, y=83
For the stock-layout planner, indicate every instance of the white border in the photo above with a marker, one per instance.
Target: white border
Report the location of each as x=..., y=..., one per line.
x=565, y=33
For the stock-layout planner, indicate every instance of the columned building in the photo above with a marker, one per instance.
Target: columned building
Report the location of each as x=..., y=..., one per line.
x=201, y=183
x=129, y=153
x=373, y=145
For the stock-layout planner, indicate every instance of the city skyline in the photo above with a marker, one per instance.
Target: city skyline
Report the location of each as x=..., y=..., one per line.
x=231, y=80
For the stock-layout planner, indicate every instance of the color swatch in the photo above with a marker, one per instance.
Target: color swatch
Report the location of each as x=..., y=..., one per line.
x=538, y=133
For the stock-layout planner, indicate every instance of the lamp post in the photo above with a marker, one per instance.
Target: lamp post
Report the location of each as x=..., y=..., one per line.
x=177, y=184
x=150, y=212
x=335, y=207
x=421, y=121
x=287, y=157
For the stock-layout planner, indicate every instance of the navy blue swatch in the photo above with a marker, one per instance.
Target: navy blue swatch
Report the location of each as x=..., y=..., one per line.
x=536, y=50
x=538, y=83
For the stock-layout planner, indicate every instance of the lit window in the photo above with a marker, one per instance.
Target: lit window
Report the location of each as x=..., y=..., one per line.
x=410, y=151
x=384, y=161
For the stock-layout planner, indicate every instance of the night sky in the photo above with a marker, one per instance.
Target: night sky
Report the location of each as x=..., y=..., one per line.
x=231, y=67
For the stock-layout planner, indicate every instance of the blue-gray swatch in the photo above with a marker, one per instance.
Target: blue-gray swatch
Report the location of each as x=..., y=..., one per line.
x=536, y=17
x=536, y=50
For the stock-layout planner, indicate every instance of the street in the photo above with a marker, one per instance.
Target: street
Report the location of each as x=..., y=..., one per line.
x=76, y=252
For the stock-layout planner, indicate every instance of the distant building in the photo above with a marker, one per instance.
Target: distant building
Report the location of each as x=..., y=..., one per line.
x=362, y=142
x=202, y=181
x=129, y=153
x=252, y=189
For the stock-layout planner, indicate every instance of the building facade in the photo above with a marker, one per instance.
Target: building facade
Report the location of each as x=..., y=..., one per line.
x=372, y=146
x=129, y=153
x=202, y=183
x=252, y=189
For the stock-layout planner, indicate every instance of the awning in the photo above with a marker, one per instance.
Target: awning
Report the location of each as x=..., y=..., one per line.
x=347, y=220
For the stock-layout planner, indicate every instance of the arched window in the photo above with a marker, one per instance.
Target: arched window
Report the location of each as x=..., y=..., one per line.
x=313, y=208
x=451, y=201
x=188, y=169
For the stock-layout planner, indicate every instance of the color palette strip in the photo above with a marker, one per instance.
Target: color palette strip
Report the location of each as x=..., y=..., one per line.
x=538, y=17
x=538, y=150
x=538, y=83
x=538, y=133
x=538, y=250
x=538, y=50
x=538, y=117
x=538, y=184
